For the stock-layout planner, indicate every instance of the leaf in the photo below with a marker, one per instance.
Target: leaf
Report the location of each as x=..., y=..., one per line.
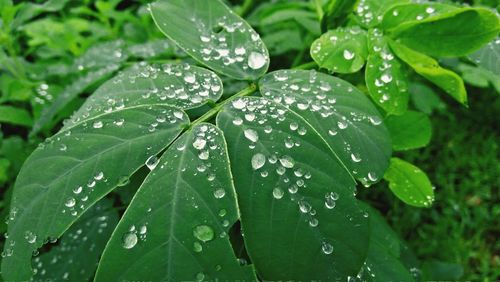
x=385, y=76
x=152, y=49
x=213, y=35
x=342, y=50
x=342, y=115
x=410, y=184
x=413, y=12
x=178, y=222
x=411, y=130
x=100, y=55
x=122, y=128
x=336, y=11
x=452, y=34
x=425, y=99
x=77, y=253
x=180, y=85
x=488, y=57
x=69, y=93
x=296, y=198
x=383, y=262
x=429, y=68
x=369, y=12
x=16, y=116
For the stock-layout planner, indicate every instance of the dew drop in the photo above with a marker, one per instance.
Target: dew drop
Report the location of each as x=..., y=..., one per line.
x=97, y=124
x=256, y=60
x=152, y=162
x=287, y=161
x=258, y=161
x=129, y=240
x=348, y=55
x=278, y=193
x=70, y=202
x=251, y=135
x=326, y=248
x=203, y=233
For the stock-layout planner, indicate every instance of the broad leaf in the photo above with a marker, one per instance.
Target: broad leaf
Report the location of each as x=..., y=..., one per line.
x=411, y=130
x=99, y=56
x=385, y=76
x=452, y=34
x=213, y=35
x=16, y=116
x=369, y=12
x=429, y=68
x=488, y=57
x=413, y=12
x=176, y=228
x=341, y=115
x=410, y=184
x=299, y=215
x=425, y=99
x=77, y=253
x=342, y=50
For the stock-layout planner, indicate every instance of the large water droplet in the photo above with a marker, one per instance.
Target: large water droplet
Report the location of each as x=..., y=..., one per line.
x=203, y=233
x=256, y=60
x=251, y=135
x=129, y=240
x=287, y=161
x=152, y=162
x=258, y=161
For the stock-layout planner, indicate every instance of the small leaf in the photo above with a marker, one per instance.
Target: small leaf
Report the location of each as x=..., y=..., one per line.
x=411, y=130
x=179, y=220
x=343, y=116
x=77, y=253
x=385, y=76
x=15, y=116
x=452, y=34
x=410, y=184
x=213, y=35
x=488, y=57
x=369, y=12
x=413, y=12
x=296, y=199
x=342, y=50
x=429, y=68
x=425, y=99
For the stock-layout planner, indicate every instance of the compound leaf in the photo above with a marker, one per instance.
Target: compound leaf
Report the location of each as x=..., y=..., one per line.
x=342, y=50
x=411, y=130
x=342, y=115
x=410, y=184
x=213, y=35
x=299, y=216
x=176, y=228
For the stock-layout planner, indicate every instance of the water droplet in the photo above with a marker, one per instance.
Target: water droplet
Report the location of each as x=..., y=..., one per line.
x=219, y=193
x=256, y=60
x=199, y=143
x=258, y=161
x=327, y=248
x=152, y=162
x=355, y=158
x=287, y=161
x=97, y=124
x=70, y=202
x=189, y=77
x=197, y=247
x=203, y=233
x=278, y=193
x=129, y=240
x=386, y=78
x=251, y=135
x=348, y=55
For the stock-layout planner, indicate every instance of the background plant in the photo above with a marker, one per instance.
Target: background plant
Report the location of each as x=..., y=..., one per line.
x=136, y=94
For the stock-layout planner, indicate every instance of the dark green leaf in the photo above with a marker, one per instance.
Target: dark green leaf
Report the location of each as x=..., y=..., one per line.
x=213, y=35
x=299, y=215
x=16, y=116
x=411, y=130
x=425, y=99
x=176, y=228
x=341, y=115
x=410, y=184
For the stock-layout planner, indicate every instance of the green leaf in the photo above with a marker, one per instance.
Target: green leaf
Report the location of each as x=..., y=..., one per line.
x=342, y=115
x=385, y=76
x=413, y=12
x=213, y=35
x=369, y=12
x=411, y=130
x=4, y=170
x=179, y=220
x=16, y=116
x=336, y=11
x=452, y=34
x=429, y=68
x=488, y=57
x=383, y=262
x=410, y=184
x=342, y=50
x=296, y=198
x=77, y=253
x=425, y=99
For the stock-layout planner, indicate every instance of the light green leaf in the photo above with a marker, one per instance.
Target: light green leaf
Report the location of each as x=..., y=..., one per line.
x=100, y=55
x=413, y=12
x=411, y=130
x=410, y=184
x=342, y=50
x=452, y=34
x=488, y=57
x=213, y=35
x=296, y=199
x=425, y=99
x=342, y=115
x=429, y=68
x=77, y=253
x=369, y=12
x=385, y=76
x=179, y=220
x=15, y=116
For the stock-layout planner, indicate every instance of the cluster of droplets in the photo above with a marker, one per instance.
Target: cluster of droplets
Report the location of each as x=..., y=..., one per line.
x=77, y=201
x=367, y=13
x=101, y=55
x=427, y=12
x=217, y=44
x=319, y=96
x=134, y=235
x=178, y=84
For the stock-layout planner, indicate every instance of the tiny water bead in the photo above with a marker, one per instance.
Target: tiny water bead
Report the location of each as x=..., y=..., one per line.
x=203, y=233
x=129, y=240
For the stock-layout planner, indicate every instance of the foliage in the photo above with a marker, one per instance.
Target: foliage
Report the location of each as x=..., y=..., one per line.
x=235, y=172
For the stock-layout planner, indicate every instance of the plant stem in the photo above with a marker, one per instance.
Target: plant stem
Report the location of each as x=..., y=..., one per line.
x=245, y=7
x=305, y=66
x=212, y=112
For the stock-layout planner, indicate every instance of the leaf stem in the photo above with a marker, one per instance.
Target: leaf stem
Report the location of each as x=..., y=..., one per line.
x=212, y=112
x=306, y=66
